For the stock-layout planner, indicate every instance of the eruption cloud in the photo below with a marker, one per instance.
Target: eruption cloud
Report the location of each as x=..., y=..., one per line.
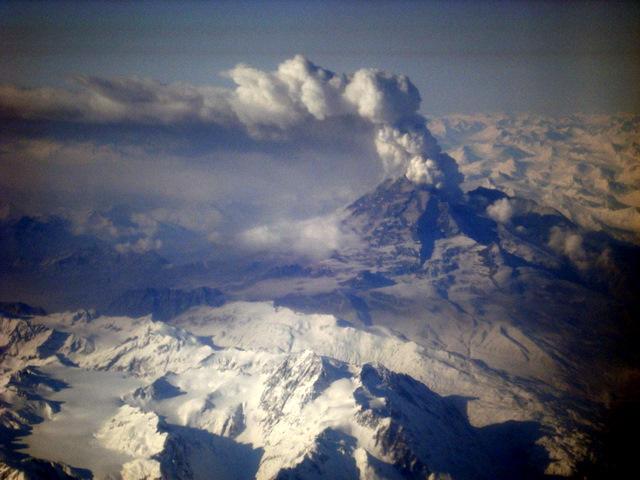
x=264, y=104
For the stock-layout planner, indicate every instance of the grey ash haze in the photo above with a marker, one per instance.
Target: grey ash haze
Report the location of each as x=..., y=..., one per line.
x=225, y=257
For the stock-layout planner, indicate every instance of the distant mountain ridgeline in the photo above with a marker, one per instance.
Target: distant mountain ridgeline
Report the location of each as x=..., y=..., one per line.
x=19, y=310
x=163, y=303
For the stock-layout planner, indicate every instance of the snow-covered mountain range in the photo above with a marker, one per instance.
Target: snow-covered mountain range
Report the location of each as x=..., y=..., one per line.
x=249, y=389
x=585, y=166
x=463, y=336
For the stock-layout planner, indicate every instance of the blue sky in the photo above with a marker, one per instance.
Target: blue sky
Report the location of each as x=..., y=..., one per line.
x=544, y=57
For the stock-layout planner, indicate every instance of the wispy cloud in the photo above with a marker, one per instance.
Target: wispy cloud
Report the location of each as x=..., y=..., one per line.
x=314, y=238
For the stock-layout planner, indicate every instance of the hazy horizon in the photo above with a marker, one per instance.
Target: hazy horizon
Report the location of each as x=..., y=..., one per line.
x=523, y=56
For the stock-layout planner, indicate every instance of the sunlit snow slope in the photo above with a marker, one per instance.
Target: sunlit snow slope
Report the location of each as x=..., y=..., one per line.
x=250, y=390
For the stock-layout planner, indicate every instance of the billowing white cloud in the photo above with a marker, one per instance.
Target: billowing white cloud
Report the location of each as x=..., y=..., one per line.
x=381, y=97
x=501, y=210
x=568, y=243
x=397, y=148
x=299, y=89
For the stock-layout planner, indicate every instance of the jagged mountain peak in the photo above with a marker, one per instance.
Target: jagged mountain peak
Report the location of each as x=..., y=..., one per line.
x=400, y=221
